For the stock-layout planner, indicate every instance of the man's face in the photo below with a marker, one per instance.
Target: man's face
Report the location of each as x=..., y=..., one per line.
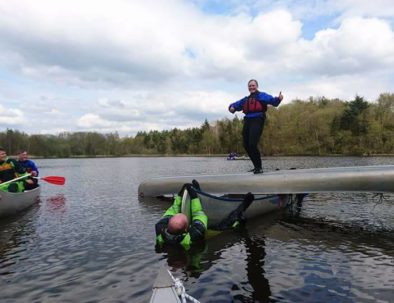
x=22, y=156
x=3, y=155
x=252, y=86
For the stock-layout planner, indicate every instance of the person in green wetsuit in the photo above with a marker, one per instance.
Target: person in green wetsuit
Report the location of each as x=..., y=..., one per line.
x=9, y=170
x=174, y=229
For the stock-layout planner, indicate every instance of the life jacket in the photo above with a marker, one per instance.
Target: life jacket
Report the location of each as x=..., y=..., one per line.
x=7, y=170
x=7, y=173
x=252, y=105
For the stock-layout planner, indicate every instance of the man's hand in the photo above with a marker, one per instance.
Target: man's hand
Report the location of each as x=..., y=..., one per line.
x=191, y=191
x=280, y=97
x=231, y=109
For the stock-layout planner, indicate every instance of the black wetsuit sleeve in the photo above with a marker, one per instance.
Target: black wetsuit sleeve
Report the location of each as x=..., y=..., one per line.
x=197, y=231
x=161, y=225
x=236, y=214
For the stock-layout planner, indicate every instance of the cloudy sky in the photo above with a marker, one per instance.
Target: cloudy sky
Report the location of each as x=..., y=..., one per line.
x=130, y=65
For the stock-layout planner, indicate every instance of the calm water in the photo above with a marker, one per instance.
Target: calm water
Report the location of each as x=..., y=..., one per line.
x=92, y=241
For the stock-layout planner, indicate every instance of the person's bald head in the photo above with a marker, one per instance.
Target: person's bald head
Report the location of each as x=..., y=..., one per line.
x=178, y=224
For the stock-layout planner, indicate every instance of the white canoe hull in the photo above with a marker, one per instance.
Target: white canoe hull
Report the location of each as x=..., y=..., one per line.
x=217, y=210
x=12, y=203
x=377, y=179
x=164, y=288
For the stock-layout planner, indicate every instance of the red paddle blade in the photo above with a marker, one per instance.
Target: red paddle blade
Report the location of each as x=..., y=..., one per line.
x=54, y=180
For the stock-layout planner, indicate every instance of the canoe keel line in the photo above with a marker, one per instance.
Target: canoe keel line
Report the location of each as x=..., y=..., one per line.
x=377, y=179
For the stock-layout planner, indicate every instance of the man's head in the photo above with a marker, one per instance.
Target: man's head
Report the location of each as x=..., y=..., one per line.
x=3, y=154
x=178, y=224
x=22, y=155
x=253, y=86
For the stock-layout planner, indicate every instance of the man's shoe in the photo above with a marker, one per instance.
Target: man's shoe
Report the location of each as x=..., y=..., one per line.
x=258, y=171
x=251, y=171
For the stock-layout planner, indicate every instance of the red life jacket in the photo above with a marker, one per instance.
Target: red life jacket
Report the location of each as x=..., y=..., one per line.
x=252, y=105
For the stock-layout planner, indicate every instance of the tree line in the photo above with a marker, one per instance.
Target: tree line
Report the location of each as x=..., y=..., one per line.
x=317, y=126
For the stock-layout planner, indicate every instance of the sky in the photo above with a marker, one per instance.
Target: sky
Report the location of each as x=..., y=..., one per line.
x=127, y=65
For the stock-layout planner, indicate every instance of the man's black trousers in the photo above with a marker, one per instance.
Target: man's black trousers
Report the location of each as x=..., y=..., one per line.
x=251, y=133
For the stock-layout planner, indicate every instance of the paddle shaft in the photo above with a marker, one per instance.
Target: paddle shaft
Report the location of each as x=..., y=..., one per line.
x=13, y=180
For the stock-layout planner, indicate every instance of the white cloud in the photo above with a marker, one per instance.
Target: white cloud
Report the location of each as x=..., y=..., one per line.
x=364, y=8
x=357, y=46
x=132, y=65
x=90, y=121
x=11, y=117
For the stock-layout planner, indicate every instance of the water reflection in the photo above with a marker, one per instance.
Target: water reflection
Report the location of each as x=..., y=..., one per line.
x=14, y=233
x=56, y=204
x=193, y=263
x=318, y=258
x=333, y=234
x=255, y=259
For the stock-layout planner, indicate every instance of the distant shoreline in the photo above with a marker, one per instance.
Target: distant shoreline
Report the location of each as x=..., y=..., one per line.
x=200, y=156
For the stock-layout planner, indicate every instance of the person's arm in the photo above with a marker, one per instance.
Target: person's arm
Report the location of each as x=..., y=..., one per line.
x=174, y=209
x=198, y=217
x=34, y=169
x=268, y=99
x=161, y=225
x=237, y=106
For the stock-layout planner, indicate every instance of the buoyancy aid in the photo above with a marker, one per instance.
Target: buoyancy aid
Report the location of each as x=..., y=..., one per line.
x=7, y=170
x=252, y=105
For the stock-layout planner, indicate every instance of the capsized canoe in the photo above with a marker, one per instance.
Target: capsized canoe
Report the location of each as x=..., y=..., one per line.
x=12, y=203
x=377, y=179
x=218, y=209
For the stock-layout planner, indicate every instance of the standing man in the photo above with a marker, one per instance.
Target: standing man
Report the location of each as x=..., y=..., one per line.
x=254, y=107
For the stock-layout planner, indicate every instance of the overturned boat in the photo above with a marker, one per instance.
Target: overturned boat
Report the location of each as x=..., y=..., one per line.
x=377, y=179
x=220, y=194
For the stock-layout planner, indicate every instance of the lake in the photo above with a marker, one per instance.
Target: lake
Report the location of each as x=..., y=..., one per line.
x=93, y=241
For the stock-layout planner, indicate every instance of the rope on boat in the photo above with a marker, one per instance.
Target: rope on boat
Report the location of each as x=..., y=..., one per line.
x=180, y=290
x=202, y=193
